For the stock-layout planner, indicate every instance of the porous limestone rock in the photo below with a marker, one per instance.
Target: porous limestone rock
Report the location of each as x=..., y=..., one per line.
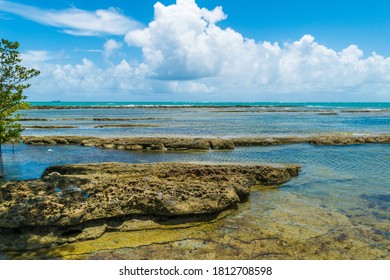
x=74, y=194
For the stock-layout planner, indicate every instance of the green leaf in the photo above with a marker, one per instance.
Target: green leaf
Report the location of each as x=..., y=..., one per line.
x=13, y=77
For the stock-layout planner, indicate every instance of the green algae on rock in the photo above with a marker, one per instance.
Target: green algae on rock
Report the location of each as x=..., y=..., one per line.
x=77, y=201
x=73, y=194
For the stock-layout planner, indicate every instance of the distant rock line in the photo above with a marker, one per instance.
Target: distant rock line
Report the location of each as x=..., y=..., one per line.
x=49, y=126
x=166, y=143
x=132, y=125
x=90, y=119
x=127, y=125
x=141, y=143
x=221, y=109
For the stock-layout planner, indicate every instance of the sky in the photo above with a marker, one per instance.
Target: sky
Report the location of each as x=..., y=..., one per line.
x=203, y=50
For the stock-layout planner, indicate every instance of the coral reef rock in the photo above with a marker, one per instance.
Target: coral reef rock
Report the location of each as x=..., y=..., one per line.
x=74, y=194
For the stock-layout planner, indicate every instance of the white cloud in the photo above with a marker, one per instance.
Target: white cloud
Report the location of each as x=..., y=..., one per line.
x=189, y=87
x=93, y=51
x=76, y=21
x=186, y=54
x=110, y=47
x=183, y=42
x=176, y=45
x=35, y=56
x=86, y=79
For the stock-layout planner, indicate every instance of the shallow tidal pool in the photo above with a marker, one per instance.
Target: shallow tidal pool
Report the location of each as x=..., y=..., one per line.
x=337, y=208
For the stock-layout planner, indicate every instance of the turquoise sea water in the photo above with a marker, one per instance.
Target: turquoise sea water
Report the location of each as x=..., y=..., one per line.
x=340, y=189
x=209, y=120
x=350, y=181
x=372, y=105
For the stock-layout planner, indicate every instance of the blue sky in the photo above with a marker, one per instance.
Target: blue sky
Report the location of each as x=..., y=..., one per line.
x=216, y=50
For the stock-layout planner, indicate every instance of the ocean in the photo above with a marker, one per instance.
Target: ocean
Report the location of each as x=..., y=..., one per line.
x=206, y=119
x=337, y=208
x=365, y=105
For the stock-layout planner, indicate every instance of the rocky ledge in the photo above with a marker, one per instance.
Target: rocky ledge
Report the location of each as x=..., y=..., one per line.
x=179, y=144
x=74, y=203
x=74, y=194
x=330, y=139
x=134, y=144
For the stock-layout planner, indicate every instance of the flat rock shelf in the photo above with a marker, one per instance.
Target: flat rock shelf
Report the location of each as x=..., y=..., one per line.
x=70, y=203
x=196, y=143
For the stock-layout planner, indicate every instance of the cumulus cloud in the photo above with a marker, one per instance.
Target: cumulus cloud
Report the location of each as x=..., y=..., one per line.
x=87, y=79
x=307, y=62
x=183, y=42
x=110, y=47
x=185, y=52
x=189, y=87
x=177, y=45
x=76, y=21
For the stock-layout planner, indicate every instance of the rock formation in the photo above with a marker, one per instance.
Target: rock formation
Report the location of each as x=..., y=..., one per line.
x=137, y=143
x=80, y=202
x=73, y=194
x=178, y=144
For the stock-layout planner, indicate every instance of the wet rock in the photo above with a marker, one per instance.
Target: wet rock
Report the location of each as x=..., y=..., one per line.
x=134, y=147
x=221, y=144
x=178, y=144
x=126, y=125
x=87, y=143
x=158, y=147
x=61, y=141
x=328, y=114
x=108, y=146
x=186, y=144
x=267, y=141
x=74, y=194
x=49, y=126
x=332, y=139
x=40, y=141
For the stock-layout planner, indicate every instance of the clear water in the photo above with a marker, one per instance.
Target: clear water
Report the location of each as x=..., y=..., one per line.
x=341, y=191
x=216, y=121
x=367, y=164
x=345, y=187
x=356, y=105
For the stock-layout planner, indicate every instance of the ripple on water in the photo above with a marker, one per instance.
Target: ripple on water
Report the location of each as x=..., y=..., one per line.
x=338, y=208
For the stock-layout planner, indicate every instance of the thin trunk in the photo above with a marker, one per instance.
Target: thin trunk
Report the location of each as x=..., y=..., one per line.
x=1, y=164
x=2, y=175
